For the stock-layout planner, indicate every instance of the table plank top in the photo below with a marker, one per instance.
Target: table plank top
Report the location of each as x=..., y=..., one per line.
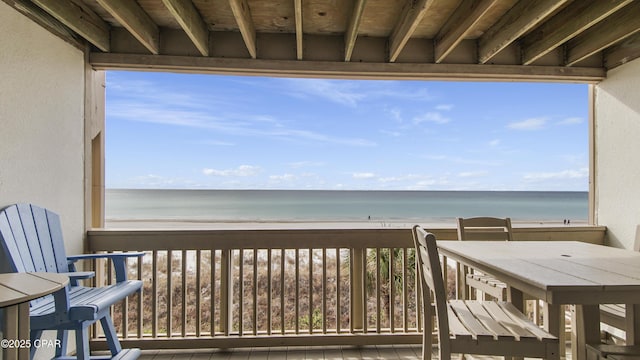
x=17, y=288
x=569, y=272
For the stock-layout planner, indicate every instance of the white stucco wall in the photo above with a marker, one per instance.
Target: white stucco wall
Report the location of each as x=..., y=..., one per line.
x=41, y=126
x=617, y=136
x=41, y=122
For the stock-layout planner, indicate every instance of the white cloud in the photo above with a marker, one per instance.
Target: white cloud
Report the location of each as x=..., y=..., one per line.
x=582, y=173
x=284, y=177
x=152, y=181
x=255, y=125
x=363, y=175
x=240, y=171
x=495, y=142
x=434, y=117
x=529, y=124
x=341, y=92
x=571, y=121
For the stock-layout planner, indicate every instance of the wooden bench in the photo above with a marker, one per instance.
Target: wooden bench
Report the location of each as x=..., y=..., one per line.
x=31, y=240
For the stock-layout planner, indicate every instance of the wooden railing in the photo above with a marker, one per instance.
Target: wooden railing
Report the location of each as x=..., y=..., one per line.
x=237, y=288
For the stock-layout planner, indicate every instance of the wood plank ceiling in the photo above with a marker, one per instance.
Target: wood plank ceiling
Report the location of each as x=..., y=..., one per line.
x=539, y=40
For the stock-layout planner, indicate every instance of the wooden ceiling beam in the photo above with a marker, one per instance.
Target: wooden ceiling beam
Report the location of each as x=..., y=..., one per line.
x=297, y=7
x=80, y=18
x=614, y=29
x=567, y=24
x=352, y=30
x=48, y=22
x=520, y=19
x=459, y=26
x=191, y=22
x=130, y=15
x=622, y=53
x=412, y=14
x=242, y=14
x=345, y=70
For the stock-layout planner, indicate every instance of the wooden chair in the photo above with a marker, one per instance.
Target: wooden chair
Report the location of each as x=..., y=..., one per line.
x=471, y=326
x=483, y=228
x=31, y=240
x=613, y=316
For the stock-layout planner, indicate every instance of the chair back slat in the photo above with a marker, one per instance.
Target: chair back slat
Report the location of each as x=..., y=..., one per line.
x=484, y=228
x=32, y=239
x=21, y=256
x=12, y=261
x=430, y=272
x=49, y=232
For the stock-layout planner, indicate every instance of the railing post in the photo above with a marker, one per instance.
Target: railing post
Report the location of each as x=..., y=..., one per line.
x=226, y=293
x=358, y=305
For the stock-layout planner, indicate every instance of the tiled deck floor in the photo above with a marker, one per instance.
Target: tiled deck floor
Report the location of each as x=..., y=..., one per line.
x=385, y=352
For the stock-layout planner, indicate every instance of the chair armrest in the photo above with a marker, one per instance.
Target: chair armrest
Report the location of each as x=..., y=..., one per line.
x=79, y=275
x=75, y=276
x=74, y=258
x=119, y=261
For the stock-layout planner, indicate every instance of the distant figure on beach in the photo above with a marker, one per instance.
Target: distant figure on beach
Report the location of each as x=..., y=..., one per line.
x=369, y=217
x=568, y=222
x=565, y=221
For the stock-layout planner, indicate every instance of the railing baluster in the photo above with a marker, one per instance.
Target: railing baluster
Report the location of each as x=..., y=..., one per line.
x=324, y=290
x=282, y=290
x=198, y=288
x=392, y=290
x=184, y=294
x=255, y=291
x=405, y=291
x=269, y=292
x=338, y=293
x=310, y=291
x=212, y=304
x=358, y=302
x=154, y=294
x=140, y=312
x=226, y=296
x=378, y=291
x=241, y=293
x=297, y=302
x=169, y=295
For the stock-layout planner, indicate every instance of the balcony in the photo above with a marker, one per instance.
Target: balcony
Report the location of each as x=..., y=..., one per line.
x=271, y=289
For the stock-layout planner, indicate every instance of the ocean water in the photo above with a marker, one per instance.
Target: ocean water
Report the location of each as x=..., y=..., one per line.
x=321, y=205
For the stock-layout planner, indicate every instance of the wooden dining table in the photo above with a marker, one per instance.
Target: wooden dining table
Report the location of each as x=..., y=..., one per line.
x=16, y=290
x=561, y=273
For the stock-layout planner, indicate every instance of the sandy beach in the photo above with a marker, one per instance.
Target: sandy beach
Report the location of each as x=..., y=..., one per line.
x=161, y=224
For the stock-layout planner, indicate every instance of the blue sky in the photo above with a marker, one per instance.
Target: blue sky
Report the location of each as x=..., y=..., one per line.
x=220, y=132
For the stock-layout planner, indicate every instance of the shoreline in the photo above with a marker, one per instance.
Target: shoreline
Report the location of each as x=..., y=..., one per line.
x=200, y=224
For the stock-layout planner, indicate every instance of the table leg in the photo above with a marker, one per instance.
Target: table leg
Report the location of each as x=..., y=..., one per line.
x=585, y=329
x=11, y=331
x=632, y=319
x=23, y=329
x=554, y=323
x=515, y=297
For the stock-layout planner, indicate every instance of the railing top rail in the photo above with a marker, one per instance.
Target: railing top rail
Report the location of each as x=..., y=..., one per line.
x=116, y=240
